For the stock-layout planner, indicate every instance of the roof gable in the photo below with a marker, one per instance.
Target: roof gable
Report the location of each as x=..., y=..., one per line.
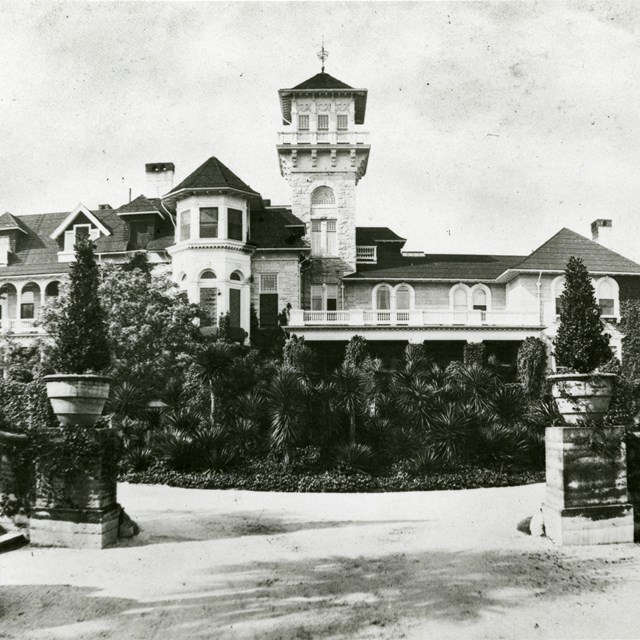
x=554, y=254
x=212, y=174
x=80, y=209
x=322, y=81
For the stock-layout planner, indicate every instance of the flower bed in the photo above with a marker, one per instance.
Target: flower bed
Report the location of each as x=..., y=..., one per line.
x=336, y=481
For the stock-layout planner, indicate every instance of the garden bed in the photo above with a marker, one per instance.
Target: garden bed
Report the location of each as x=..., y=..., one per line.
x=337, y=482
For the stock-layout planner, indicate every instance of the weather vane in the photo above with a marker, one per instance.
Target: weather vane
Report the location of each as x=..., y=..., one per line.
x=323, y=55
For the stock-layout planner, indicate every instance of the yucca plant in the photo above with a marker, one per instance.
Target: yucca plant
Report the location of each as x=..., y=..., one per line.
x=285, y=408
x=349, y=383
x=450, y=435
x=213, y=363
x=356, y=457
x=507, y=404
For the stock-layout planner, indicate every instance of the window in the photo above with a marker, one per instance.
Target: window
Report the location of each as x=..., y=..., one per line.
x=343, y=122
x=323, y=196
x=207, y=275
x=303, y=123
x=403, y=298
x=71, y=237
x=27, y=305
x=236, y=276
x=324, y=297
x=460, y=299
x=138, y=234
x=209, y=304
x=268, y=299
x=234, y=224
x=607, y=295
x=480, y=300
x=324, y=238
x=383, y=298
x=323, y=122
x=185, y=225
x=317, y=297
x=209, y=222
x=557, y=288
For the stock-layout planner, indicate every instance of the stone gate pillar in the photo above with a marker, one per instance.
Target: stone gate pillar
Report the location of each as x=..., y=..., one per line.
x=586, y=487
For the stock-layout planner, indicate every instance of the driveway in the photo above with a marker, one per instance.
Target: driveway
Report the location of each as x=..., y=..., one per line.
x=237, y=564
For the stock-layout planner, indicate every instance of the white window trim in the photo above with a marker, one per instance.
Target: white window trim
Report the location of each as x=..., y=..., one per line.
x=271, y=275
x=392, y=296
x=452, y=292
x=324, y=237
x=616, y=295
x=80, y=209
x=481, y=287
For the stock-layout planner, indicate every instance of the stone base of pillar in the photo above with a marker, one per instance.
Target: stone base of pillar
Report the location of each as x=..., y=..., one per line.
x=74, y=528
x=586, y=487
x=78, y=508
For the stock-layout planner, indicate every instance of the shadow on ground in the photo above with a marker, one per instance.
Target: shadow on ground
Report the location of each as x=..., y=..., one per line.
x=189, y=527
x=336, y=596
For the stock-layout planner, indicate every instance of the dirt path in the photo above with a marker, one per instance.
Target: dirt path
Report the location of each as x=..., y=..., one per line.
x=212, y=564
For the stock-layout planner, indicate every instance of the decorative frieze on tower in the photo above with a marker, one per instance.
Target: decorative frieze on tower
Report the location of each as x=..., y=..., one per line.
x=323, y=155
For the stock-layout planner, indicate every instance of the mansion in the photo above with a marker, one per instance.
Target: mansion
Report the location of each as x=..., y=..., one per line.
x=229, y=249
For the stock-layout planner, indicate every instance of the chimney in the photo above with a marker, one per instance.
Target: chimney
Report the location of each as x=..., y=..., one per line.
x=104, y=207
x=602, y=232
x=159, y=178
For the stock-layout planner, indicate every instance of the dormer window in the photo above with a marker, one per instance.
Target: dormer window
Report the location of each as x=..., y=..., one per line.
x=73, y=236
x=303, y=123
x=343, y=122
x=323, y=122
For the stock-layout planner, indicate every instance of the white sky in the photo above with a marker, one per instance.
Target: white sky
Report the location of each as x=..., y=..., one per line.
x=492, y=125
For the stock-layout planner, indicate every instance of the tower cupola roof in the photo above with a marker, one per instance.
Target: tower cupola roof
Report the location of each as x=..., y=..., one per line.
x=323, y=83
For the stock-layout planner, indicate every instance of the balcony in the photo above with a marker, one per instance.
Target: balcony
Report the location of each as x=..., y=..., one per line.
x=366, y=254
x=293, y=138
x=21, y=326
x=412, y=318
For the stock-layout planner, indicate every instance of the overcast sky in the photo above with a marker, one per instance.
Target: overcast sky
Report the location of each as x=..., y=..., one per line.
x=492, y=125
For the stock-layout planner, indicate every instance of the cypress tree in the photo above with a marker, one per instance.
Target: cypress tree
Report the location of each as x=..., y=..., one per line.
x=79, y=333
x=581, y=343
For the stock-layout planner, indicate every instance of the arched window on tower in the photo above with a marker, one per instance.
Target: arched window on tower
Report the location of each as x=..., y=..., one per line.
x=323, y=196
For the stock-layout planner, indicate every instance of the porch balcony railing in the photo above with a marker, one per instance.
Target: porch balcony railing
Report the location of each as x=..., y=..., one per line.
x=21, y=325
x=323, y=137
x=412, y=318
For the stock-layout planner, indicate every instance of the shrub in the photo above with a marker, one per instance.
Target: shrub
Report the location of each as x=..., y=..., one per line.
x=532, y=367
x=474, y=353
x=356, y=352
x=581, y=344
x=78, y=326
x=355, y=457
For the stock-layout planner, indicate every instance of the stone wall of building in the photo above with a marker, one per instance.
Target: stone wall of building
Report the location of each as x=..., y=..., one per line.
x=286, y=265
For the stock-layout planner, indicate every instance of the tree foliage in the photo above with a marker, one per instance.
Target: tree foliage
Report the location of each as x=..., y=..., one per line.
x=78, y=328
x=581, y=343
x=532, y=366
x=150, y=324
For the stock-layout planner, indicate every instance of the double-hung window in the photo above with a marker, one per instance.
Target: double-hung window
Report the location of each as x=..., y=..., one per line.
x=323, y=122
x=303, y=123
x=234, y=224
x=209, y=222
x=324, y=238
x=185, y=225
x=343, y=122
x=324, y=297
x=268, y=299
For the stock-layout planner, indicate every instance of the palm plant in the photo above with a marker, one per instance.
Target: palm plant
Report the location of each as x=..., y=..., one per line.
x=212, y=363
x=286, y=407
x=508, y=404
x=350, y=386
x=450, y=434
x=475, y=385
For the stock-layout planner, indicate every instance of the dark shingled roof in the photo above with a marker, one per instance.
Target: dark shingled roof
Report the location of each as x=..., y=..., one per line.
x=439, y=267
x=555, y=252
x=275, y=228
x=212, y=175
x=9, y=222
x=141, y=204
x=368, y=236
x=322, y=81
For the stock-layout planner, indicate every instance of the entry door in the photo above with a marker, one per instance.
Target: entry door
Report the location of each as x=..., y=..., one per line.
x=234, y=307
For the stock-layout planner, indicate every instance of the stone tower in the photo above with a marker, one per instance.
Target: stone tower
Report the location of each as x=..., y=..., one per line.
x=323, y=155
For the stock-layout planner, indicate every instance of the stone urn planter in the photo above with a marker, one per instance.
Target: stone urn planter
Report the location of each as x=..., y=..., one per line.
x=582, y=396
x=77, y=398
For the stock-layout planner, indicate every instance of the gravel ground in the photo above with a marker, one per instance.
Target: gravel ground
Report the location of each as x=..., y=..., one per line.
x=235, y=564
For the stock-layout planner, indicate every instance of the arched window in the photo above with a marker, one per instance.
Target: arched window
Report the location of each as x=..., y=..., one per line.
x=207, y=275
x=383, y=298
x=29, y=301
x=236, y=276
x=52, y=290
x=403, y=297
x=323, y=196
x=459, y=301
x=607, y=296
x=479, y=299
